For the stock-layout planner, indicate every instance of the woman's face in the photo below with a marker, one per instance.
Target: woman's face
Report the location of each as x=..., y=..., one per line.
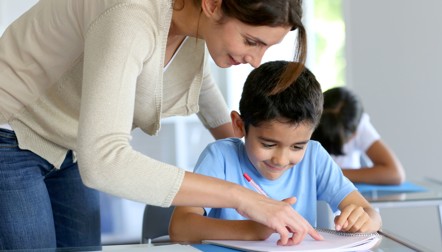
x=234, y=43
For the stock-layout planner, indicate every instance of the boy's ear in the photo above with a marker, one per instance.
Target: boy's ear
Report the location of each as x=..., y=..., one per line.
x=237, y=124
x=212, y=8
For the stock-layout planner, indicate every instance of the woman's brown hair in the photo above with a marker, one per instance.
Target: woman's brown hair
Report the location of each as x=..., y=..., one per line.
x=287, y=13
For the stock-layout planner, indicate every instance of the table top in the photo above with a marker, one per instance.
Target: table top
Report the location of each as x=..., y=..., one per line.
x=432, y=193
x=389, y=242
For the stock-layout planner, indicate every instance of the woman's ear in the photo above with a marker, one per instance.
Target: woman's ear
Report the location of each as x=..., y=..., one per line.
x=237, y=124
x=212, y=9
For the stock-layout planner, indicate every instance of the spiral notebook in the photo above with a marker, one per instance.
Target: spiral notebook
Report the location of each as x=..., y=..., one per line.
x=333, y=241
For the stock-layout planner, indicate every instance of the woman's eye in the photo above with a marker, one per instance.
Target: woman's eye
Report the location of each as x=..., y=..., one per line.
x=250, y=42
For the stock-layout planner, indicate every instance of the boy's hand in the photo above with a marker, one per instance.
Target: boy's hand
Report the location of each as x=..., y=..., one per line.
x=357, y=215
x=354, y=218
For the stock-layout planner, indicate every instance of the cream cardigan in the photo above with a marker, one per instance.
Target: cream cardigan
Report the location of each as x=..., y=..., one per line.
x=80, y=75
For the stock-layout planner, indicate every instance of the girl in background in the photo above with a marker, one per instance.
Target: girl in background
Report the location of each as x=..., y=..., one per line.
x=346, y=133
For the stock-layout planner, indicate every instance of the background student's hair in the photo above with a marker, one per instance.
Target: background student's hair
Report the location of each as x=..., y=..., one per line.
x=341, y=116
x=346, y=132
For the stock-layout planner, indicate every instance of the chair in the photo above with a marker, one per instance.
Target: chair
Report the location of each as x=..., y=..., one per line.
x=156, y=222
x=325, y=216
x=155, y=227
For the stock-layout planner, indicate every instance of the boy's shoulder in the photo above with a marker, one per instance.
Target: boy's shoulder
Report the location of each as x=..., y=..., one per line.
x=314, y=146
x=231, y=141
x=224, y=150
x=226, y=145
x=316, y=151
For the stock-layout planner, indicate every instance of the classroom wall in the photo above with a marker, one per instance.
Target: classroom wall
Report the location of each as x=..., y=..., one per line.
x=394, y=58
x=394, y=53
x=11, y=9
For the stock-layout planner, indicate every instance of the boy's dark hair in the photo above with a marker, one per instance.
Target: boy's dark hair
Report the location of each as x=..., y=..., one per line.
x=340, y=119
x=301, y=102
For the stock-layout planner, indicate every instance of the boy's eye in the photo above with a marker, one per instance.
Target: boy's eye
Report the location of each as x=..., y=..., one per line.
x=298, y=147
x=268, y=145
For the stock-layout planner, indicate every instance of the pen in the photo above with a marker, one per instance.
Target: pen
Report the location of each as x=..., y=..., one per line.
x=255, y=185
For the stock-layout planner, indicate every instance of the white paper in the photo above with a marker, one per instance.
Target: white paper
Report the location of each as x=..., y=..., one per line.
x=331, y=242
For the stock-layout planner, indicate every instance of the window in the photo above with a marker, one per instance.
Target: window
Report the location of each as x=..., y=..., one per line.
x=325, y=27
x=328, y=28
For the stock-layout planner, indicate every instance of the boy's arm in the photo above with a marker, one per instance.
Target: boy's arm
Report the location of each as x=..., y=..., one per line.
x=188, y=224
x=357, y=215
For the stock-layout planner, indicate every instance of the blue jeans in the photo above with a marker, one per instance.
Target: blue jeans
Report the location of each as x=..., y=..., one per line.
x=43, y=207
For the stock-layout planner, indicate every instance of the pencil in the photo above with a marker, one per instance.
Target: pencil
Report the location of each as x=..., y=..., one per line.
x=254, y=185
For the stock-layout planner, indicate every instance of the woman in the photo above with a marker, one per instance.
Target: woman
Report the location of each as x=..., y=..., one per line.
x=77, y=76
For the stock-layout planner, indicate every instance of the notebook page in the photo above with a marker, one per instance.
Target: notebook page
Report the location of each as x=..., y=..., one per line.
x=333, y=241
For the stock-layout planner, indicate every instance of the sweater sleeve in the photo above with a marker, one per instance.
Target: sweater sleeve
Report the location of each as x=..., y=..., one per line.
x=116, y=46
x=213, y=110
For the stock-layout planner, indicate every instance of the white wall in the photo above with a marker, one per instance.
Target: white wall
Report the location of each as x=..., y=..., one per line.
x=394, y=61
x=11, y=9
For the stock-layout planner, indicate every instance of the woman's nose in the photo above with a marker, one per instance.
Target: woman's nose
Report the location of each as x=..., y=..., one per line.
x=255, y=58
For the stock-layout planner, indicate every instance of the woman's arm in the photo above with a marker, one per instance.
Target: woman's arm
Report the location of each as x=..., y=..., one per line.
x=222, y=131
x=386, y=169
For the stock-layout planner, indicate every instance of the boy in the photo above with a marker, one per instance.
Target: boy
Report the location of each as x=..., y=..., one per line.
x=278, y=155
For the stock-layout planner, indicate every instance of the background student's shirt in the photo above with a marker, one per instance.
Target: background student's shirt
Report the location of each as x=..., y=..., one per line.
x=365, y=136
x=316, y=177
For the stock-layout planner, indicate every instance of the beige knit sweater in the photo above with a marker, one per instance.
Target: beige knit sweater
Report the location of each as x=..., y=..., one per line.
x=80, y=75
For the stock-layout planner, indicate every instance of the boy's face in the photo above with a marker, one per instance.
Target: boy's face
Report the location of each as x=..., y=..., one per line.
x=274, y=147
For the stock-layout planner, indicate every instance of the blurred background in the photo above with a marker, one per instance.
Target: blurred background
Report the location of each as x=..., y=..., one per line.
x=389, y=52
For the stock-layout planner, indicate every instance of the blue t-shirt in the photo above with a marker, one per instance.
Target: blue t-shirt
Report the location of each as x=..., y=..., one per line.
x=316, y=177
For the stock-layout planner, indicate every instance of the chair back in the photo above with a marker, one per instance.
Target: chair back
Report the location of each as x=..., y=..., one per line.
x=156, y=224
x=325, y=216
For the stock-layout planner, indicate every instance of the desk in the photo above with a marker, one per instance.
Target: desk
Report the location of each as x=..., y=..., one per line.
x=379, y=199
x=389, y=242
x=431, y=197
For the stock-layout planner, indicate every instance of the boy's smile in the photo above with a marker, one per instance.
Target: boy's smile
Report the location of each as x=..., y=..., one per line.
x=276, y=146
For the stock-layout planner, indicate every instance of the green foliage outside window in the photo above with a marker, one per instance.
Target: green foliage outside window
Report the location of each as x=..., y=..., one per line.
x=329, y=29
